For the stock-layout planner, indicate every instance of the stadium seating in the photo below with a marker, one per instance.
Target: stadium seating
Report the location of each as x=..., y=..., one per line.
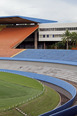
x=13, y=36
x=9, y=52
x=10, y=37
x=48, y=54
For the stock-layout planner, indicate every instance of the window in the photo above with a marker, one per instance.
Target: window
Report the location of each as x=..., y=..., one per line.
x=43, y=36
x=47, y=36
x=53, y=36
x=58, y=29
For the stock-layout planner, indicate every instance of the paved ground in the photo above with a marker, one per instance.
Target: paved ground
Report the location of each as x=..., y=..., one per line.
x=55, y=70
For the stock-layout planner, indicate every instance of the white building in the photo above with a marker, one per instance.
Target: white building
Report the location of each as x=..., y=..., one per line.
x=52, y=32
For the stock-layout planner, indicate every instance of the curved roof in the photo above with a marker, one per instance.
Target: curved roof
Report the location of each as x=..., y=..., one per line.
x=22, y=20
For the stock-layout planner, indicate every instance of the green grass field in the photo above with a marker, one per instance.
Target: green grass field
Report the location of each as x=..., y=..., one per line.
x=44, y=103
x=16, y=89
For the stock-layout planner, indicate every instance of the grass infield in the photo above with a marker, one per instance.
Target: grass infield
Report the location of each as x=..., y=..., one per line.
x=44, y=103
x=14, y=89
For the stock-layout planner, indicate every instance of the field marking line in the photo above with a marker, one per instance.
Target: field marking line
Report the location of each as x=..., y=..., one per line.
x=21, y=111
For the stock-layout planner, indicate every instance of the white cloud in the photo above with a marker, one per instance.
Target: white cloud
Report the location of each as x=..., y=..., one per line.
x=61, y=10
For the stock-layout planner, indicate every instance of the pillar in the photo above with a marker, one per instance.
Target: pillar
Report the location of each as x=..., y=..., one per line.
x=44, y=46
x=35, y=40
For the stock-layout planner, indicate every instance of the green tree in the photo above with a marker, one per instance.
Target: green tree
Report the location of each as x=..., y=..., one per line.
x=66, y=38
x=74, y=38
x=60, y=45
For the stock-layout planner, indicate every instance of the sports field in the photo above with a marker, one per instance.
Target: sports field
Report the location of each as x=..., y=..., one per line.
x=16, y=89
x=20, y=91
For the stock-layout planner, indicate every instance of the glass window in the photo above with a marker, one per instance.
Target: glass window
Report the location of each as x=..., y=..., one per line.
x=47, y=36
x=43, y=36
x=58, y=29
x=53, y=35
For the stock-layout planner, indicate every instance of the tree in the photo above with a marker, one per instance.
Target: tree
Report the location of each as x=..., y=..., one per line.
x=74, y=38
x=66, y=38
x=60, y=45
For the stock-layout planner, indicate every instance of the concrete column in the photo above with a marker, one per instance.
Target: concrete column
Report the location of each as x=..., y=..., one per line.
x=44, y=46
x=35, y=40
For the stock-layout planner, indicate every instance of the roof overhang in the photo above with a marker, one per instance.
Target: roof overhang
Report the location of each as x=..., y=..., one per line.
x=23, y=20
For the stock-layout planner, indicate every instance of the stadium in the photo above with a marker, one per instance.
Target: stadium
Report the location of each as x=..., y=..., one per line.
x=24, y=59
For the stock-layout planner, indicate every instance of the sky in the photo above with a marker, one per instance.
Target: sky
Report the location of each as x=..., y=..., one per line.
x=59, y=10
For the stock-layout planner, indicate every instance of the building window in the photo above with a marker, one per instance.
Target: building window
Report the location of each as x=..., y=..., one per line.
x=43, y=36
x=58, y=29
x=50, y=36
x=53, y=36
x=47, y=36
